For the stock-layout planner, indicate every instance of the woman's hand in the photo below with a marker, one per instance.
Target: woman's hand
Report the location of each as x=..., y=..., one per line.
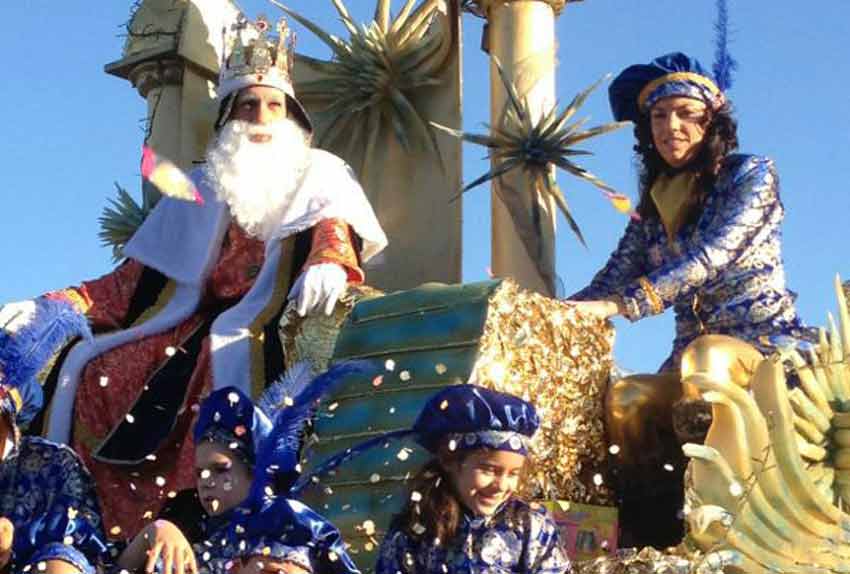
x=602, y=309
x=160, y=539
x=7, y=537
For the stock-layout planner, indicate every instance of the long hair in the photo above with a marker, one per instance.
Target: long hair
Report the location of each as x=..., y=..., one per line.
x=721, y=139
x=436, y=513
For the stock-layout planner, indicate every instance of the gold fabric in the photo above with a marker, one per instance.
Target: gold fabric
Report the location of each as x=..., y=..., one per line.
x=670, y=195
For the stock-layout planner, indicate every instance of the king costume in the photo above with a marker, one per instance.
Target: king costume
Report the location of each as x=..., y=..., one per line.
x=195, y=307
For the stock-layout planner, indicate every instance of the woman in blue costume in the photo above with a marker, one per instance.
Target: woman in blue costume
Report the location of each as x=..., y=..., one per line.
x=463, y=515
x=707, y=243
x=50, y=515
x=244, y=520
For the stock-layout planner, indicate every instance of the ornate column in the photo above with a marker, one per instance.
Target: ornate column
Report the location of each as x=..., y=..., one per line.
x=171, y=57
x=521, y=34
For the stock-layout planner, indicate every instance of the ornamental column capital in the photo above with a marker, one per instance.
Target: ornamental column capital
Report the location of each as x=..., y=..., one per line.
x=482, y=7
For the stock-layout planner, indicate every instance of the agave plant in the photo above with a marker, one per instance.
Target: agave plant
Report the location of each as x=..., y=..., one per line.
x=373, y=75
x=536, y=146
x=122, y=217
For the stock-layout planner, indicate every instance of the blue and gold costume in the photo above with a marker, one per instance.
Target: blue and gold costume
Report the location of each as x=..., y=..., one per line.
x=517, y=538
x=49, y=497
x=269, y=523
x=722, y=274
x=45, y=490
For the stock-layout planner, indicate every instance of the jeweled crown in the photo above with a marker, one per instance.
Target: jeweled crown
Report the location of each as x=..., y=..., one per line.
x=254, y=55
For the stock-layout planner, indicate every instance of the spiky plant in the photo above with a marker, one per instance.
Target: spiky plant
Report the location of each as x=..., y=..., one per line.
x=373, y=75
x=536, y=146
x=122, y=217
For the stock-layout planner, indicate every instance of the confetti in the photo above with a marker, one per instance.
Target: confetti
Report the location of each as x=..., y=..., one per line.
x=669, y=467
x=614, y=449
x=151, y=457
x=390, y=365
x=368, y=547
x=148, y=515
x=41, y=566
x=205, y=474
x=115, y=530
x=233, y=398
x=440, y=368
x=171, y=494
x=332, y=556
x=160, y=481
x=375, y=478
x=597, y=479
x=452, y=445
x=333, y=406
x=369, y=527
x=404, y=376
x=403, y=454
x=377, y=381
x=168, y=178
x=418, y=529
x=735, y=489
x=130, y=418
x=415, y=496
x=215, y=504
x=170, y=351
x=68, y=540
x=104, y=381
x=444, y=405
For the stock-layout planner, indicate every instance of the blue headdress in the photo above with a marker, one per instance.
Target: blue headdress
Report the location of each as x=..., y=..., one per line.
x=638, y=87
x=468, y=417
x=268, y=435
x=43, y=327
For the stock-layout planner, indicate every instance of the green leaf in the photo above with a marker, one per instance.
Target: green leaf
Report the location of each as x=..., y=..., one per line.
x=333, y=42
x=497, y=171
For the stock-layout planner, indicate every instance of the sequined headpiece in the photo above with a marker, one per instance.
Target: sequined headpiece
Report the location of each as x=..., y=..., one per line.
x=256, y=56
x=464, y=417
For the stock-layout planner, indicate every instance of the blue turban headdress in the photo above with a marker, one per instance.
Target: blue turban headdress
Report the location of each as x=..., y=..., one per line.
x=466, y=417
x=638, y=87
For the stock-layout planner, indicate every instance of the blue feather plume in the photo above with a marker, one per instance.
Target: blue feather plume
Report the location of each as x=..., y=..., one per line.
x=278, y=454
x=724, y=64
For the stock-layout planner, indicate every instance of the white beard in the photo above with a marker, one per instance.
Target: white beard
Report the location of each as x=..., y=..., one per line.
x=258, y=180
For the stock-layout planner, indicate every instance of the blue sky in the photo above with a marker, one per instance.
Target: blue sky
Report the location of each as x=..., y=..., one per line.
x=70, y=131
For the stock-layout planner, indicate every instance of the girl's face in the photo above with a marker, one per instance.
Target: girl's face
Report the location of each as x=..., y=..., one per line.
x=485, y=478
x=223, y=480
x=678, y=128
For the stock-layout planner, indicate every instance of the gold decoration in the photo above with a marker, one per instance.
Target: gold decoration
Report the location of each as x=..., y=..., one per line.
x=479, y=7
x=544, y=351
x=312, y=338
x=372, y=76
x=767, y=491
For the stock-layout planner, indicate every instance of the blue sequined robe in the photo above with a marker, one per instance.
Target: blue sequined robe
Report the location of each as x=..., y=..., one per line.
x=517, y=538
x=47, y=494
x=722, y=274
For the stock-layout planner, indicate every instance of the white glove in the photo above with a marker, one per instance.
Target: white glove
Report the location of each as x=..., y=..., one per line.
x=321, y=284
x=15, y=316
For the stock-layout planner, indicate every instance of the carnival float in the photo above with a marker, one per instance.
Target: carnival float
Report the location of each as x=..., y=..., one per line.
x=766, y=492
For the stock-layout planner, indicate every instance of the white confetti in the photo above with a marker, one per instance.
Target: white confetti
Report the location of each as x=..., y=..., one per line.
x=130, y=418
x=233, y=398
x=375, y=478
x=390, y=365
x=333, y=406
x=415, y=496
x=404, y=376
x=68, y=540
x=104, y=381
x=160, y=481
x=669, y=467
x=418, y=529
x=735, y=489
x=369, y=527
x=444, y=405
x=170, y=351
x=597, y=479
x=205, y=474
x=440, y=368
x=614, y=449
x=403, y=454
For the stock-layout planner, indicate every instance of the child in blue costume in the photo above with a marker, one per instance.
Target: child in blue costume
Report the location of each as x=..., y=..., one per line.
x=463, y=516
x=245, y=459
x=707, y=243
x=50, y=514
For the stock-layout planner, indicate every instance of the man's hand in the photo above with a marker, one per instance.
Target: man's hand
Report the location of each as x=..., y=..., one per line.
x=7, y=537
x=318, y=286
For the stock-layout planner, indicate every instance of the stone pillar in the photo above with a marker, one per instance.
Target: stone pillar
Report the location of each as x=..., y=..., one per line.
x=521, y=34
x=172, y=57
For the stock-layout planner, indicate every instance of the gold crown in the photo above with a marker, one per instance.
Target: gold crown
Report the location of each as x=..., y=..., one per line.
x=252, y=53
